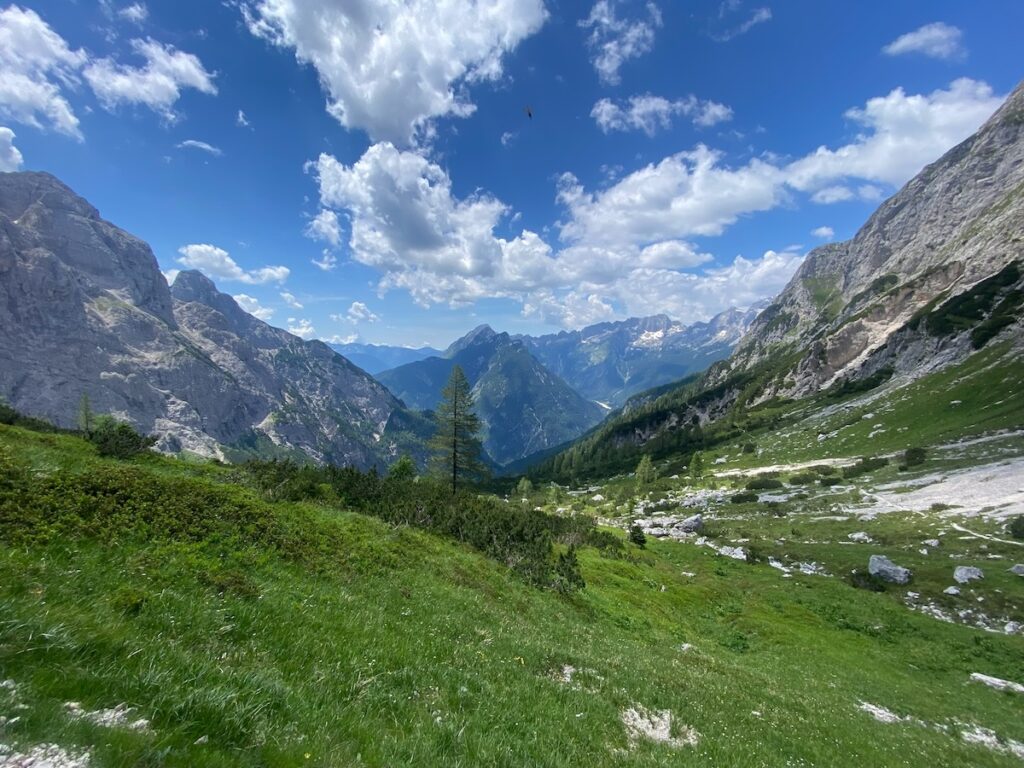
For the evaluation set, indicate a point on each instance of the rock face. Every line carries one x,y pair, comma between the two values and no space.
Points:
84,309
851,304
965,573
887,570
524,407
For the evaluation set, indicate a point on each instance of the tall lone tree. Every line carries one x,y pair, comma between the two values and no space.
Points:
455,446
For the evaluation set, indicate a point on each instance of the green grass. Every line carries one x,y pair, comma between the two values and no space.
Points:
395,647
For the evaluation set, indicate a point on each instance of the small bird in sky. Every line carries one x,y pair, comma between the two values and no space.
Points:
529,111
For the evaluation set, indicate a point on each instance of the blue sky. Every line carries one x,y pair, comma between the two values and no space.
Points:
682,157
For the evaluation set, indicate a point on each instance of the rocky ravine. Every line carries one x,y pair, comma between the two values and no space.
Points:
84,308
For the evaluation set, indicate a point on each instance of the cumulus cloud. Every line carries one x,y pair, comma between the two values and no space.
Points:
202,146
241,120
613,41
10,156
625,248
648,113
900,135
301,328
825,233
937,40
217,263
290,300
253,307
359,313
136,13
156,85
326,227
35,64
390,68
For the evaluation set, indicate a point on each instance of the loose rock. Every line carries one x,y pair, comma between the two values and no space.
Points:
885,569
966,573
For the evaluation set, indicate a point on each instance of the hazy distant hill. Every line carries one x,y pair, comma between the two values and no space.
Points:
374,358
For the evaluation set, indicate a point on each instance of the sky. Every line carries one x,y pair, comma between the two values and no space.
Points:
400,172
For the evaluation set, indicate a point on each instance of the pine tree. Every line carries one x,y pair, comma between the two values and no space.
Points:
697,466
455,446
403,470
645,472
85,417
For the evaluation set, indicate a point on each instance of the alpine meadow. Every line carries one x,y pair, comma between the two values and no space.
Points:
511,383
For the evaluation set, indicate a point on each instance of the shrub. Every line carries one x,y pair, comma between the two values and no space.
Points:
823,469
1017,527
828,482
763,484
912,457
743,497
861,579
864,465
637,536
118,440
749,448
803,478
403,470
567,577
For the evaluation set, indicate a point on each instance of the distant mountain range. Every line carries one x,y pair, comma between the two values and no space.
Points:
523,406
374,358
84,309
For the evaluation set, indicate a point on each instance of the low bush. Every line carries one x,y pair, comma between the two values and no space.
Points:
743,497
828,482
803,478
864,465
637,535
763,484
861,579
118,440
1017,527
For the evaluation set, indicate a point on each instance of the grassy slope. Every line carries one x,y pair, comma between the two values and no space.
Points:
406,649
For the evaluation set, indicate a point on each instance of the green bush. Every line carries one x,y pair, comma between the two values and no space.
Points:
1017,527
913,457
861,579
118,440
763,484
567,576
828,482
864,465
743,497
637,535
749,448
803,478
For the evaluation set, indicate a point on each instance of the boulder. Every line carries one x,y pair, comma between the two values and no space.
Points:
860,536
885,569
692,524
1018,569
932,542
966,573
951,591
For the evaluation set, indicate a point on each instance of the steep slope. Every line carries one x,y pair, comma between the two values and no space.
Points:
609,362
84,309
374,358
850,304
524,407
934,276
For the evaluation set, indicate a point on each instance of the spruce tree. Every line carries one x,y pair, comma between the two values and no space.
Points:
645,472
85,418
455,446
697,466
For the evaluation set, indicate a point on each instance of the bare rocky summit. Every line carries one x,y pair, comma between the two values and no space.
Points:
84,309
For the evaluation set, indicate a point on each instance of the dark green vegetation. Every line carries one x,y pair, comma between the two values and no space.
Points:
255,632
456,447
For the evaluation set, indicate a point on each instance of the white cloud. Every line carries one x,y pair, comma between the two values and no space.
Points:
901,134
825,233
339,339
136,13
170,275
290,300
614,41
389,68
35,64
325,226
241,120
937,40
10,157
648,113
359,313
252,306
757,16
508,137
326,262
200,145
301,328
216,262
157,84
625,248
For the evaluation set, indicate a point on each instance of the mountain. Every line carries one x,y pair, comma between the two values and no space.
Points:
935,275
374,358
524,407
85,309
609,362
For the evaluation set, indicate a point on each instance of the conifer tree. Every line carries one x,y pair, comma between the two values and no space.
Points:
455,446
697,466
85,418
645,472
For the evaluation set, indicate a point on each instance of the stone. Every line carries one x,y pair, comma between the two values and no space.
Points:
885,569
860,536
966,573
951,591
931,543
692,524
1018,569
